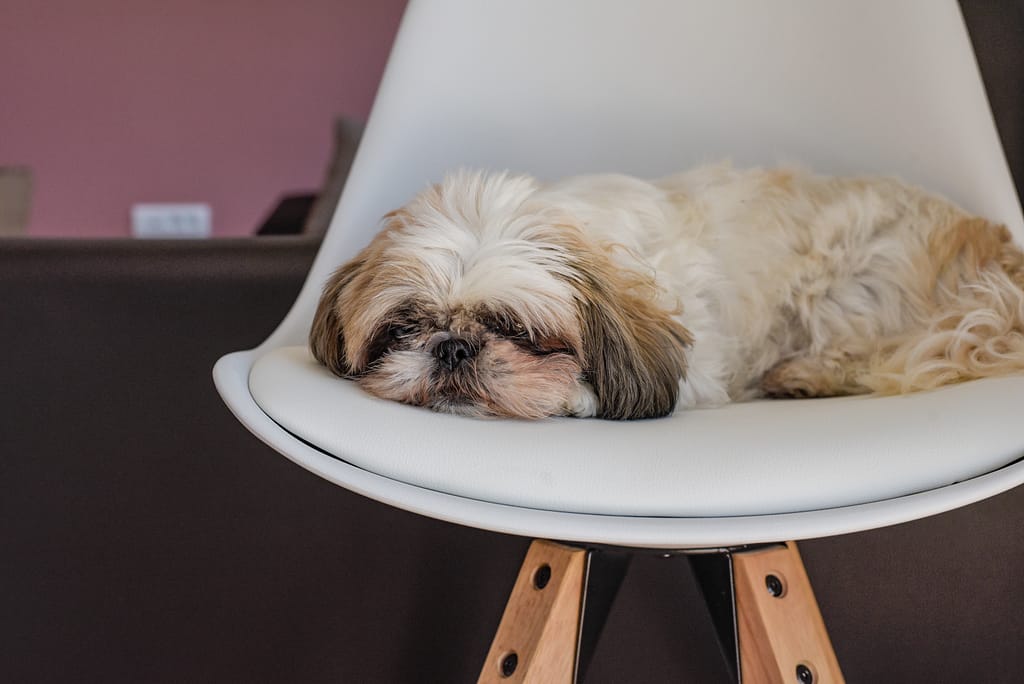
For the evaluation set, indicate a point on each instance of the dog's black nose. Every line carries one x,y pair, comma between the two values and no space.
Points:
454,351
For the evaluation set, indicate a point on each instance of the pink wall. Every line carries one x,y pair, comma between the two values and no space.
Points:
229,102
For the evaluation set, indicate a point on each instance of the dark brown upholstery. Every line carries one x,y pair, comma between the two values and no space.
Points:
145,536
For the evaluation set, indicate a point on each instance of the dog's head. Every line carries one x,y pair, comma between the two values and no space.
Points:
480,299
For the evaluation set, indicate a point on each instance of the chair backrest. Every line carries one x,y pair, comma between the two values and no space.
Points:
650,87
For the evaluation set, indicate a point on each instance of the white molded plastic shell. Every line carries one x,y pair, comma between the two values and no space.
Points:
651,87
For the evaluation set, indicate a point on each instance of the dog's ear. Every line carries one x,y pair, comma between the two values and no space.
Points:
634,351
326,337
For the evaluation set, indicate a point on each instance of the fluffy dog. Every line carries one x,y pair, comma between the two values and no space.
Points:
610,296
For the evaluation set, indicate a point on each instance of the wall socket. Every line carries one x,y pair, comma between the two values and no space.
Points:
171,220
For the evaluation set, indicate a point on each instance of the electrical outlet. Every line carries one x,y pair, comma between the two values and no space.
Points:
171,220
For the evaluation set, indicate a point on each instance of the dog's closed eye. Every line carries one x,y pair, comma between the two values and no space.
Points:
509,327
401,331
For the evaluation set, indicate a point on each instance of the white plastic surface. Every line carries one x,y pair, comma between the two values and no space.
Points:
743,459
231,375
650,87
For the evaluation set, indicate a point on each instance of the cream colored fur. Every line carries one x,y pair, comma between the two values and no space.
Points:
764,282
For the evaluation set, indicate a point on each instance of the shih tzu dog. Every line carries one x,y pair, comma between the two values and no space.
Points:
609,296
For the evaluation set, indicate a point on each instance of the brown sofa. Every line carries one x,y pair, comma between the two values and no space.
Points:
145,536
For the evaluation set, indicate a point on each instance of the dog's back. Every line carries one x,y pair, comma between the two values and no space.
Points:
849,285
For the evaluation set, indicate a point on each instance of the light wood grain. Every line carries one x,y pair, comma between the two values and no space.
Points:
778,634
541,626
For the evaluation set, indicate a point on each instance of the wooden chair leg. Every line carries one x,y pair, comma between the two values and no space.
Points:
782,637
539,631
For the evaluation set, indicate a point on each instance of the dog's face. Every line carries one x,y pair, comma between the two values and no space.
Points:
480,300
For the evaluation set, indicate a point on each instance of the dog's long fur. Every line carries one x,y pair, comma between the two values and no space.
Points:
609,296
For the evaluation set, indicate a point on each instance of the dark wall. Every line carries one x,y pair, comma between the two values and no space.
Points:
145,536
997,32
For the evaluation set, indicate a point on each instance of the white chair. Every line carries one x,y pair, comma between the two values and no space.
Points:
650,87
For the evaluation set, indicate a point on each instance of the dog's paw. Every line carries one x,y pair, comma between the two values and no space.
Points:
797,379
583,404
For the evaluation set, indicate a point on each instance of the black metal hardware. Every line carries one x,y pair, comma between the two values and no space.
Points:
542,576
509,664
602,579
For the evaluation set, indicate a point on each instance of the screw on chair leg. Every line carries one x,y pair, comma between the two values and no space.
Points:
539,631
782,637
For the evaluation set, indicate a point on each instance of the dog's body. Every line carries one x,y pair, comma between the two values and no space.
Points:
622,298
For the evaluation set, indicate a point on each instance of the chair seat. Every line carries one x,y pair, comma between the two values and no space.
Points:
757,458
